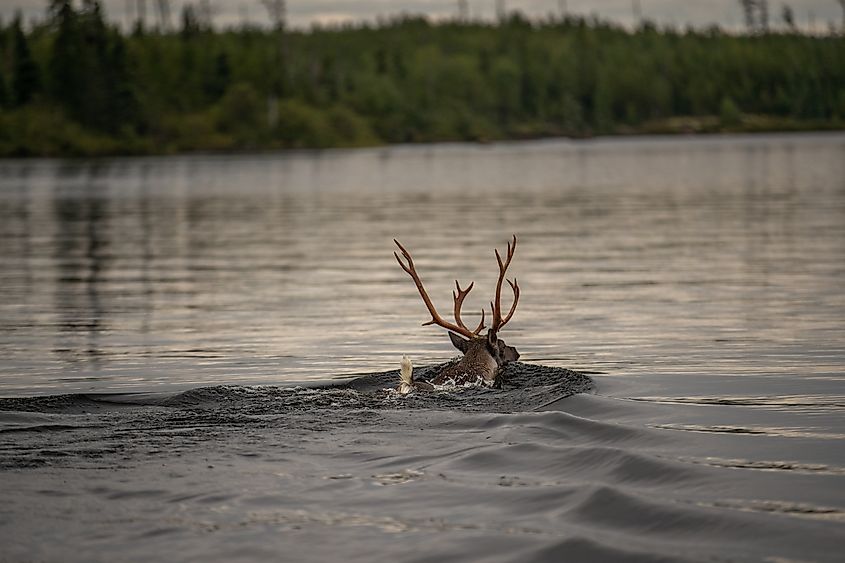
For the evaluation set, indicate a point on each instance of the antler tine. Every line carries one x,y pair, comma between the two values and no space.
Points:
498,322
410,267
459,301
435,316
480,326
515,288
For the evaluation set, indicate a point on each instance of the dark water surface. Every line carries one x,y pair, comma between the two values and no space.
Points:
157,313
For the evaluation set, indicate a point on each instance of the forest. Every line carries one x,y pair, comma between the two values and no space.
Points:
73,84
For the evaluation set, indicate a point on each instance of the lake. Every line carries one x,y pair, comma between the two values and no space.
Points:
718,256
699,281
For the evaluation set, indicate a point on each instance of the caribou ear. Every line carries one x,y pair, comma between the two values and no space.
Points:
492,339
458,342
493,345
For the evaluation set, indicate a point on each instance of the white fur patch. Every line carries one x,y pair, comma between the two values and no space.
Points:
406,375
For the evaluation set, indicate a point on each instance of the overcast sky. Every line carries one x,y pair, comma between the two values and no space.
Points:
302,13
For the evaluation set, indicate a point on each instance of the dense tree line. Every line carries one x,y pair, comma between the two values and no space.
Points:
75,84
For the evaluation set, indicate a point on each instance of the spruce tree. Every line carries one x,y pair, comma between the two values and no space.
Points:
25,76
3,94
66,81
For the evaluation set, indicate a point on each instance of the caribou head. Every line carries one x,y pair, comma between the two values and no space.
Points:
484,354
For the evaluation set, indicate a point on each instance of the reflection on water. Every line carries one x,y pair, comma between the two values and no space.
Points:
701,277
653,258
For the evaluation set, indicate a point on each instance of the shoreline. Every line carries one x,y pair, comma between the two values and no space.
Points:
657,131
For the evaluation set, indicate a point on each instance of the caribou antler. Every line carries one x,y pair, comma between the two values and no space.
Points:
459,328
459,300
498,322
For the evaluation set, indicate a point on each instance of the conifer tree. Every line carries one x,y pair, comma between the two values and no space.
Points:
26,81
65,78
3,94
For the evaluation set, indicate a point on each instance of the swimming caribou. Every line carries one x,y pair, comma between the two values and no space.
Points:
484,355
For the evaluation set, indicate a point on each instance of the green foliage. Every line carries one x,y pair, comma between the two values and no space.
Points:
729,113
405,80
195,131
349,128
241,114
4,95
38,130
300,125
26,81
89,69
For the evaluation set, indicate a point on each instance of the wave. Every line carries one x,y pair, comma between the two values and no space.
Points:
511,474
763,465
827,402
771,431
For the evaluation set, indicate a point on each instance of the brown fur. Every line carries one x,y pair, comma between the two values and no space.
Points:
483,359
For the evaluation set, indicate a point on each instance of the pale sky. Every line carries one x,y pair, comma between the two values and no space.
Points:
303,13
